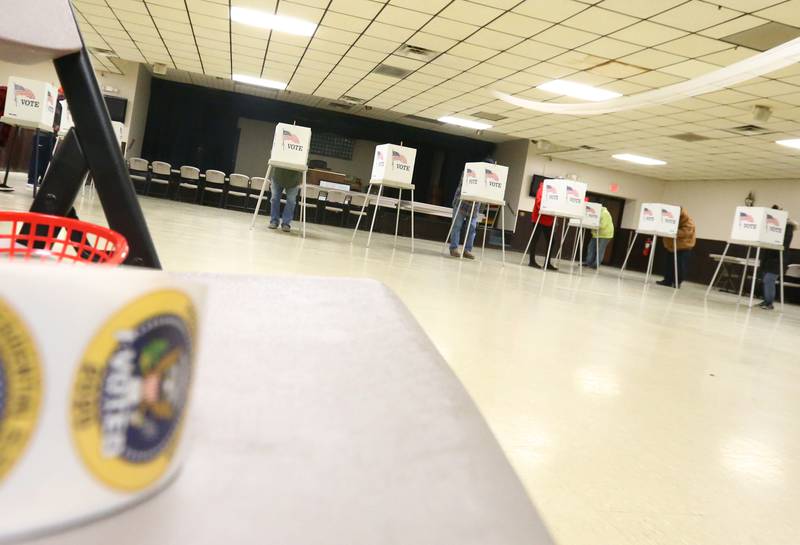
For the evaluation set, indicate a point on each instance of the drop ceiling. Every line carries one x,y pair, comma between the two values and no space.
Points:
627,46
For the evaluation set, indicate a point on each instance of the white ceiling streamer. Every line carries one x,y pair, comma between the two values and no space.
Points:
769,61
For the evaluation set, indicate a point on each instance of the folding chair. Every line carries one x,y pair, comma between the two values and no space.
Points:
256,183
139,170
215,183
238,186
160,176
189,180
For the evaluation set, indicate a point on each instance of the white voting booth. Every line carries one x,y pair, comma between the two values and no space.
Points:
755,227
564,199
392,166
656,220
30,104
482,183
289,151
591,221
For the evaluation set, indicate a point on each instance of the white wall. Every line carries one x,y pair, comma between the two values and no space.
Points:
255,143
712,203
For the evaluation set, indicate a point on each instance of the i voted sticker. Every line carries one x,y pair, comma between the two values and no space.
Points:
20,388
131,390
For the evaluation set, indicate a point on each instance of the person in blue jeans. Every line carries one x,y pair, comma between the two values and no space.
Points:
600,237
462,216
288,181
770,264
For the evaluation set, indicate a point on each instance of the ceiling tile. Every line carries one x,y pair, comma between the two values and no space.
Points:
600,21
358,8
536,50
695,15
694,46
689,69
402,17
641,8
519,25
648,34
566,37
609,48
426,6
493,39
652,59
467,12
550,10
448,28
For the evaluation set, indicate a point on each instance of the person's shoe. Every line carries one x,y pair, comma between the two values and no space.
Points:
665,283
454,252
468,255
534,265
286,227
766,307
551,267
272,225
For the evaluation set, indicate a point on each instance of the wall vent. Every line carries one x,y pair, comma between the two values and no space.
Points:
391,71
416,52
420,119
689,137
749,130
489,116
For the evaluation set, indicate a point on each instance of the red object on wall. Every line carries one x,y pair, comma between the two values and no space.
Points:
648,243
614,188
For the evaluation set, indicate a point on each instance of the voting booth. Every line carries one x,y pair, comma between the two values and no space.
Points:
563,199
591,220
290,147
392,166
760,228
30,104
656,220
482,183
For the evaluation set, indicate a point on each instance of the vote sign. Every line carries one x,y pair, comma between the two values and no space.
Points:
758,225
659,219
484,182
30,103
290,146
563,198
393,164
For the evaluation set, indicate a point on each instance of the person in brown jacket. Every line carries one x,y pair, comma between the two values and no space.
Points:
686,240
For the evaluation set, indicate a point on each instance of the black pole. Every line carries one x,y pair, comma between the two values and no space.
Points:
63,180
99,144
36,134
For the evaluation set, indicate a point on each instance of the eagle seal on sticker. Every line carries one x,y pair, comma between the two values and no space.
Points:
131,390
20,388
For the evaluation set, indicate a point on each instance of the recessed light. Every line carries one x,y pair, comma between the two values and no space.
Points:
577,90
638,159
468,123
272,21
260,82
790,143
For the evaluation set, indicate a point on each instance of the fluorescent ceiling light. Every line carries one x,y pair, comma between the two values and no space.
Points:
271,21
638,159
260,82
468,123
791,143
577,90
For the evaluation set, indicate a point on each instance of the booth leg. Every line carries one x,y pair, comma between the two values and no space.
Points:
35,161
397,216
597,253
485,223
780,258
755,274
375,213
412,221
719,266
675,258
503,234
550,246
744,274
304,211
628,254
564,232
469,226
363,206
530,239
452,223
261,196
580,249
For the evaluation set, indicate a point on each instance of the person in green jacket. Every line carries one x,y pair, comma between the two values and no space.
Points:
289,181
597,248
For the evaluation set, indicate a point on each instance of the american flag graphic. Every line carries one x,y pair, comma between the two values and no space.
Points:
471,173
647,213
22,91
289,137
772,220
490,175
398,157
50,100
551,189
572,193
744,216
667,214
591,211
380,156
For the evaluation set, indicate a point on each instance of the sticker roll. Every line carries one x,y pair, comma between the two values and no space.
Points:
96,367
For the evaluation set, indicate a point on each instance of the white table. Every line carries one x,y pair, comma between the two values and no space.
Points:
316,426
489,203
381,184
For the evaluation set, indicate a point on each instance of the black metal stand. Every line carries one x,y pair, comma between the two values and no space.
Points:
10,147
93,148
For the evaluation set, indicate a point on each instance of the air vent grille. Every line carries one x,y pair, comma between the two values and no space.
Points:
423,119
416,52
749,130
391,71
689,137
489,116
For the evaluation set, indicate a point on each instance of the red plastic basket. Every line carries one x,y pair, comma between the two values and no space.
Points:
31,236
